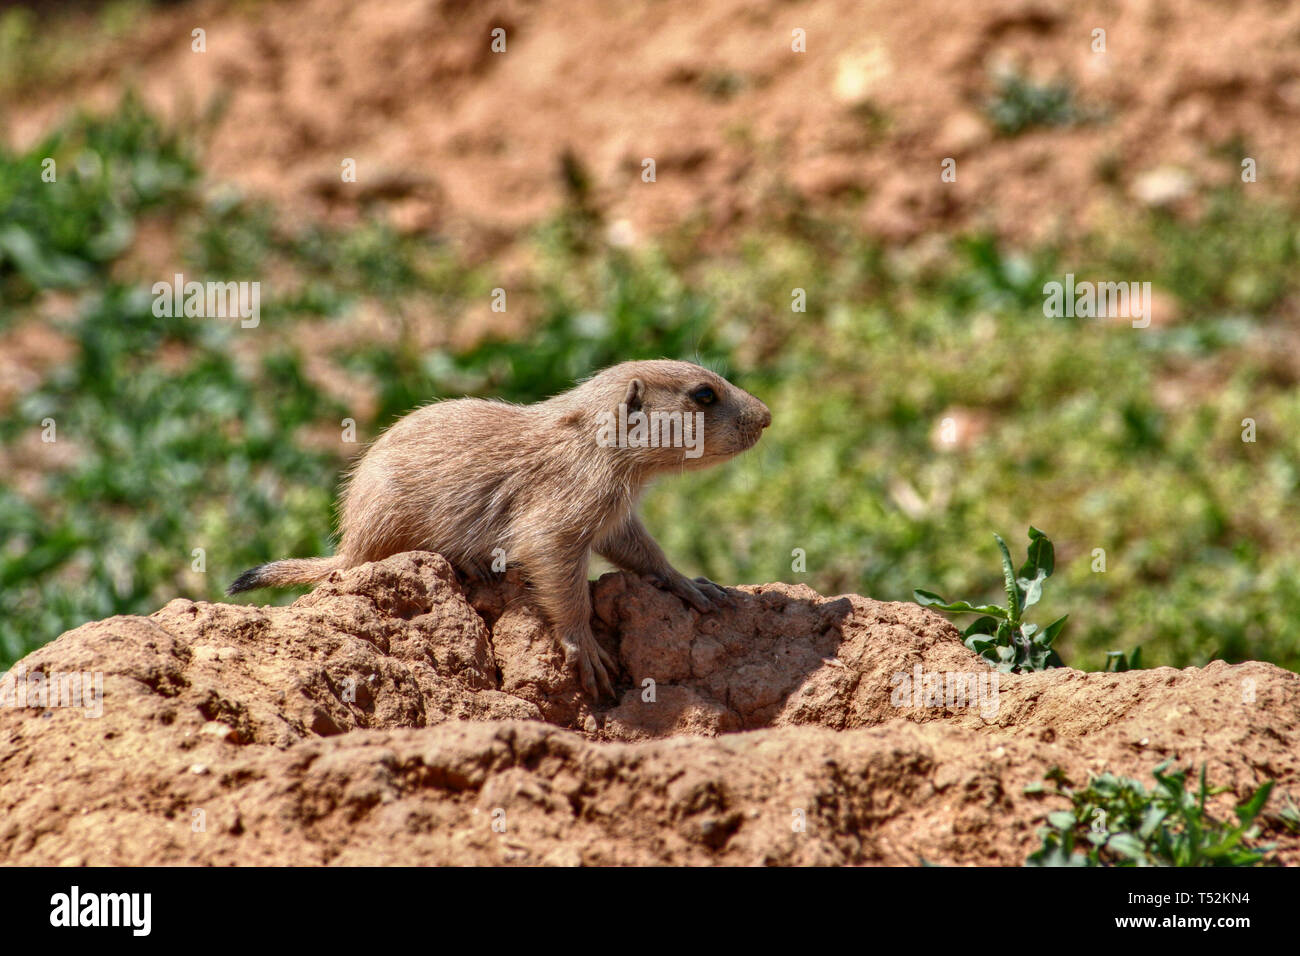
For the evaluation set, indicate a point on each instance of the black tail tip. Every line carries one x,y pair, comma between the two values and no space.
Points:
247,581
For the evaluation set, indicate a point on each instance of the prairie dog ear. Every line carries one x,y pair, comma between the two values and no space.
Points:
635,395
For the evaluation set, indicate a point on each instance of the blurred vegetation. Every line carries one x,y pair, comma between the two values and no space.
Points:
185,433
1019,103
68,208
39,49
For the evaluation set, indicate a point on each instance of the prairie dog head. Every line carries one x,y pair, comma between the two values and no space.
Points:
666,415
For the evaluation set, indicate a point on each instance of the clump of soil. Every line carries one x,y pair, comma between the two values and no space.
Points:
394,715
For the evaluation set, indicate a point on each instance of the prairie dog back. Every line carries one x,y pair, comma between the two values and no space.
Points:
542,484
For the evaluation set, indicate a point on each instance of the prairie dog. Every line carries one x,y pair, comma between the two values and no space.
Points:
546,484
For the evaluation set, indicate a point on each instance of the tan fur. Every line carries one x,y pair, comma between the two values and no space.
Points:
468,476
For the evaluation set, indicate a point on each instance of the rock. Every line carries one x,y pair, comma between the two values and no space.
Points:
860,73
1162,186
216,730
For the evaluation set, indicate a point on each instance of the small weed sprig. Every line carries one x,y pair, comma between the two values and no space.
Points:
1001,636
1117,662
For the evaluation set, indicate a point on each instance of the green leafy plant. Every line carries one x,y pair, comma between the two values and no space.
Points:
1117,661
1289,816
1116,821
1019,103
66,232
1001,636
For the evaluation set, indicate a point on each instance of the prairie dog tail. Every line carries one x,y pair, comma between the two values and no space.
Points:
280,574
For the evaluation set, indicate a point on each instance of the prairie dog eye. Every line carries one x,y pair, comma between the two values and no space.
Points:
704,395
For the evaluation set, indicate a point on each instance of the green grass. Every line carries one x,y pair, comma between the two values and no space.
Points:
1106,437
1116,821
106,174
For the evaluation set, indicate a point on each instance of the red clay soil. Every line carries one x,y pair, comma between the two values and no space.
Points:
451,137
390,717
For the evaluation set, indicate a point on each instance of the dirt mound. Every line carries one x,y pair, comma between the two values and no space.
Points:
452,137
393,716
